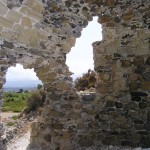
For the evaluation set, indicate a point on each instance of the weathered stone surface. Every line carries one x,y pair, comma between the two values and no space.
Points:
26,22
14,16
5,22
146,76
145,85
40,33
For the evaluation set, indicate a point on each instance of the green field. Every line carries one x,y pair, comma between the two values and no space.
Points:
15,102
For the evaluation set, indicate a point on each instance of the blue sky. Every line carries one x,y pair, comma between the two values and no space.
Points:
79,60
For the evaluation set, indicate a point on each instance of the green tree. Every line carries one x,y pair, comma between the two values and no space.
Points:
39,86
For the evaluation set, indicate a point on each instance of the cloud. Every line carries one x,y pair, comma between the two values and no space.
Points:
19,73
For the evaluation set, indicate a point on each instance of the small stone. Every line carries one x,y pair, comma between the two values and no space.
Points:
8,45
148,61
126,63
126,143
47,137
105,77
133,86
146,76
126,125
138,61
136,99
138,126
138,121
114,125
57,126
142,105
104,19
86,141
118,105
147,126
127,16
110,2
110,104
133,77
132,105
148,116
145,85
139,94
104,126
26,22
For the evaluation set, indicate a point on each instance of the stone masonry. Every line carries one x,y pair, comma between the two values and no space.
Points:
39,33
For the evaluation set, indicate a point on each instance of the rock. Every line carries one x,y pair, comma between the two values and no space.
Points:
133,86
146,76
126,143
139,94
147,126
86,141
142,105
148,61
47,137
132,105
127,16
126,63
88,97
8,45
114,125
118,105
126,125
136,99
145,85
110,103
133,77
138,61
148,116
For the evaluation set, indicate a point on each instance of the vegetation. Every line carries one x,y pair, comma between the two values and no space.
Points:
85,82
39,86
26,101
36,100
10,124
15,102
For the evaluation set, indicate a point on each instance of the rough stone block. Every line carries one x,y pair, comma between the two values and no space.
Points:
7,34
34,14
145,85
6,23
23,10
3,8
26,22
14,16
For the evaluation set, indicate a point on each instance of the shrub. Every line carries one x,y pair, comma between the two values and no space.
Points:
87,81
35,100
15,102
10,124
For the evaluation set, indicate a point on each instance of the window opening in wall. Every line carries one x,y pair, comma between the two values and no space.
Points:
23,95
80,58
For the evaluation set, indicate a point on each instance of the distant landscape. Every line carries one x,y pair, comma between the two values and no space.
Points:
21,84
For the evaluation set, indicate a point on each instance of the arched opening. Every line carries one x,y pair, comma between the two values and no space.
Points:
23,95
80,58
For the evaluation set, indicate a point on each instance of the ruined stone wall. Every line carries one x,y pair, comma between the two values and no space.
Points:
39,34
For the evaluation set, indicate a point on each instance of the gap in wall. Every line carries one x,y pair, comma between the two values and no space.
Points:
80,58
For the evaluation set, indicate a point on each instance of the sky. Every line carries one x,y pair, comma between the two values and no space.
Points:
79,59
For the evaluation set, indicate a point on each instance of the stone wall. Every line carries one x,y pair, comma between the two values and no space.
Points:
39,34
